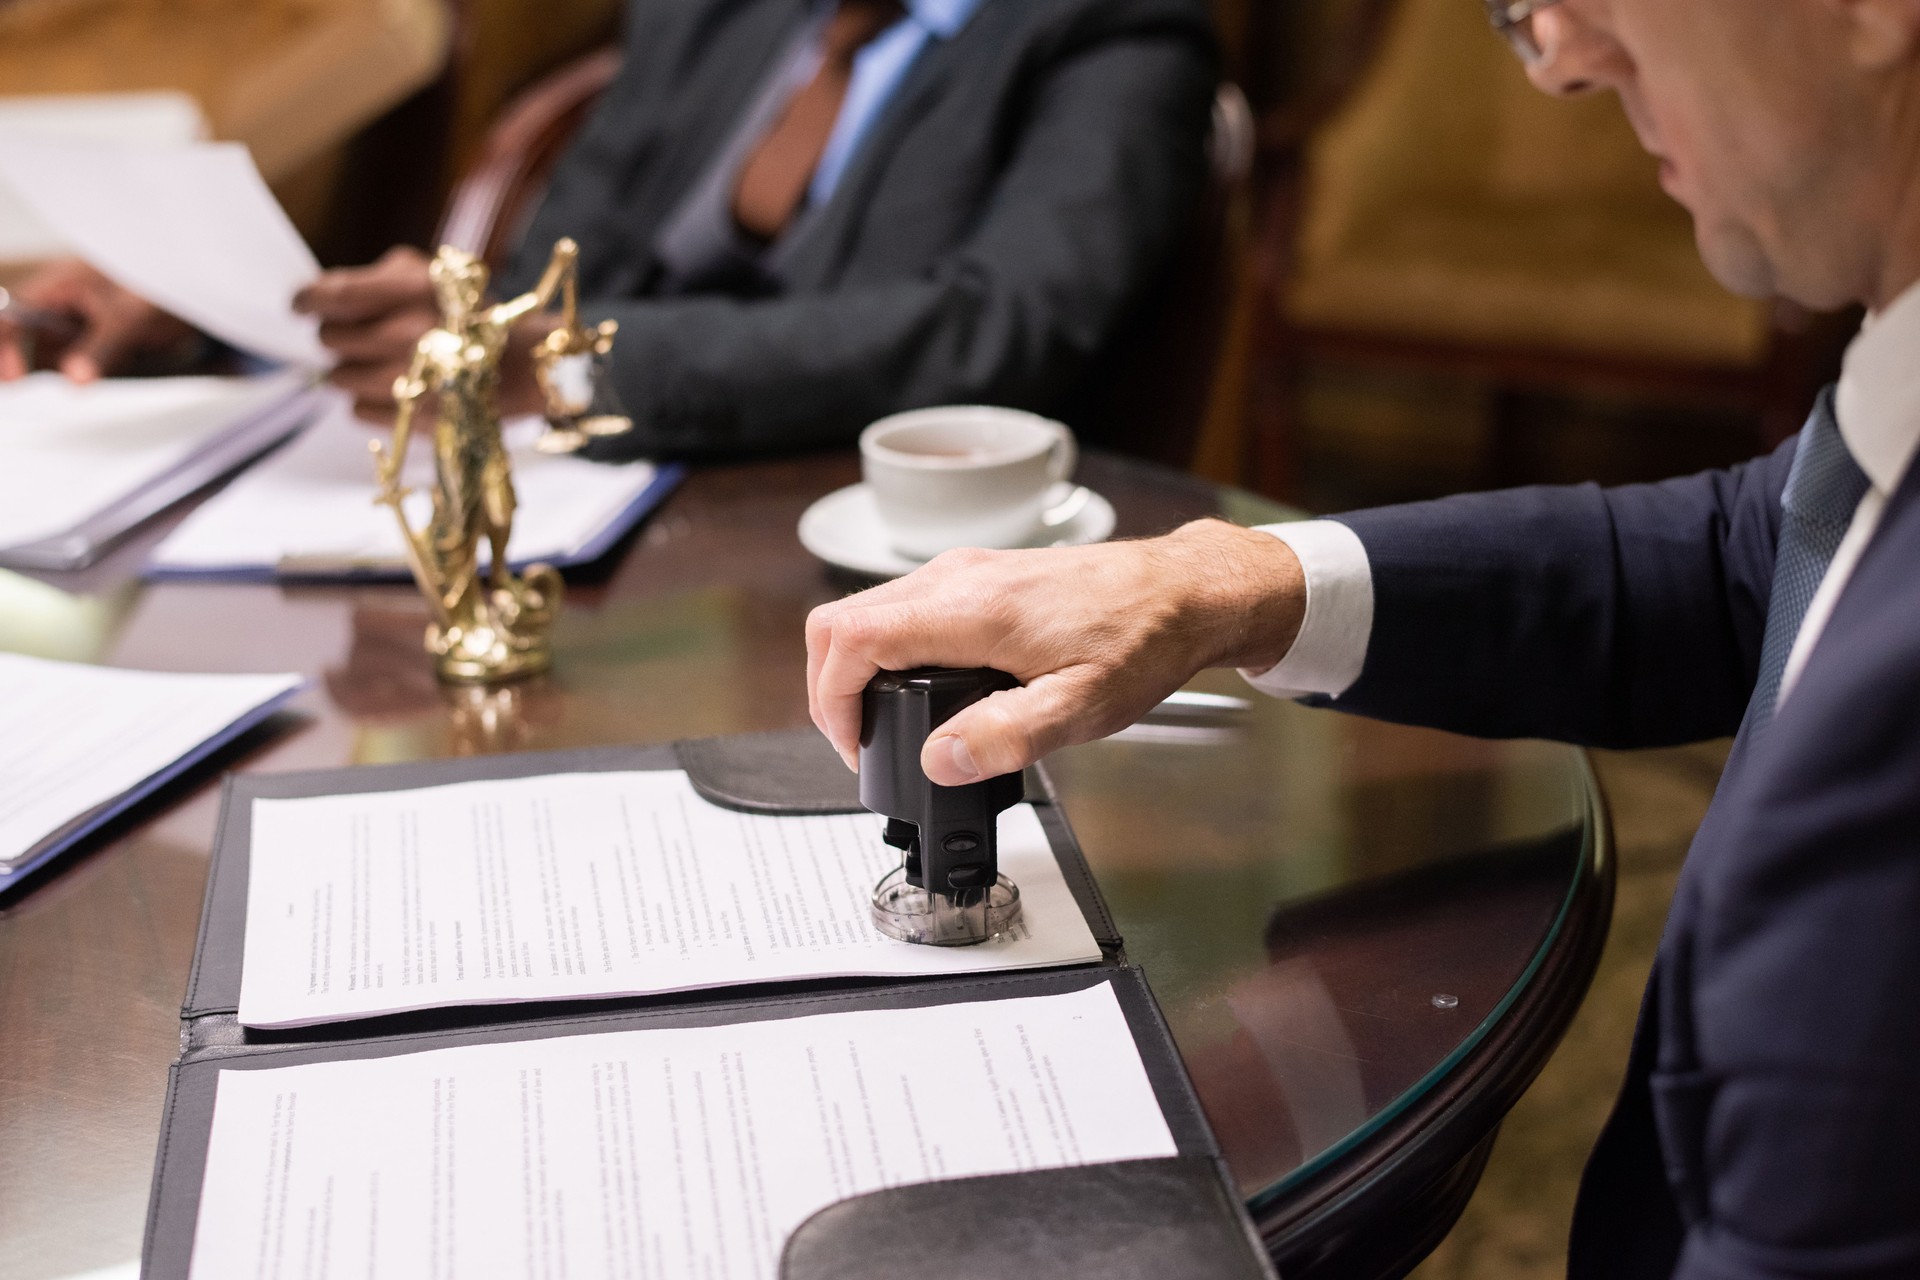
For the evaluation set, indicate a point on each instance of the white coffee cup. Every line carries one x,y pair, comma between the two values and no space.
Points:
964,475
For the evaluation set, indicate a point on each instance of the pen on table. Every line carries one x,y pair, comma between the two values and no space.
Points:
48,324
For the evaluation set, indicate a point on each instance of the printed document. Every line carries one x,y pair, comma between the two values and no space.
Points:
309,508
68,453
191,228
74,737
654,1154
588,885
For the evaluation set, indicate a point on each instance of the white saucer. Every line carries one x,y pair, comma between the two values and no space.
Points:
844,529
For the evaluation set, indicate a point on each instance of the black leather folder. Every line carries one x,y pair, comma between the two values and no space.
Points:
1147,1218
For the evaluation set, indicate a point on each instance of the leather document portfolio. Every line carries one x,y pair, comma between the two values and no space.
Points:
1003,1122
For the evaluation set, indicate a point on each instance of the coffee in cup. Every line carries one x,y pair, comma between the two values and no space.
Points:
964,475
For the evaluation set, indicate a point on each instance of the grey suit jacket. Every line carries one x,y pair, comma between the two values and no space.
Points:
1024,184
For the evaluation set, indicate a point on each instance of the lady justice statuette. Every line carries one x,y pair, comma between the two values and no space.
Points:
489,624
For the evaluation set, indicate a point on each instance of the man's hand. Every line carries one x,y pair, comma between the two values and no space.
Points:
1097,635
112,325
372,317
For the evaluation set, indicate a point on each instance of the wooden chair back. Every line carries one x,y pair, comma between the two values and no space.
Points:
494,199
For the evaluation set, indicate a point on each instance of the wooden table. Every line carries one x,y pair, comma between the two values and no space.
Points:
1366,937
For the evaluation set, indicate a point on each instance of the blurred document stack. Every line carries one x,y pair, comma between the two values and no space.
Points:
191,227
81,466
80,745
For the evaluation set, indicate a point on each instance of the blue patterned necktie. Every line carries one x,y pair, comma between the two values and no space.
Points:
1824,486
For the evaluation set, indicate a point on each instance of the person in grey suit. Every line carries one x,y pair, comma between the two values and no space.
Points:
806,214
1769,1123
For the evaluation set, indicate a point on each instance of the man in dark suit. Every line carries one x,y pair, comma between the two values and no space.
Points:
806,214
1769,1125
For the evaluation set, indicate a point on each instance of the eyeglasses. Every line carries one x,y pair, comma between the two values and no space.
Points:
1514,20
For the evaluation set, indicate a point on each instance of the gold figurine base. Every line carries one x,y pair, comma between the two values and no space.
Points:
505,635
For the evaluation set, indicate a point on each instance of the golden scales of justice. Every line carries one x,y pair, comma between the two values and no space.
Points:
489,623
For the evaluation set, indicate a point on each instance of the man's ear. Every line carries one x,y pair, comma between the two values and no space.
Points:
1881,34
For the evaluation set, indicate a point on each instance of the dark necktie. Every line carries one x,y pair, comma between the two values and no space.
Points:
1824,486
774,179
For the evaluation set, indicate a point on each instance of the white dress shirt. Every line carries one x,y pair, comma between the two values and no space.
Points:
1877,406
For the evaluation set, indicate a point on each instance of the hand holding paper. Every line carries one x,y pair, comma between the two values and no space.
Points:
372,317
191,229
69,316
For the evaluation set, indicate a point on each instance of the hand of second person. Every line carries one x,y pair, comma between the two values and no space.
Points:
370,318
113,327
1097,636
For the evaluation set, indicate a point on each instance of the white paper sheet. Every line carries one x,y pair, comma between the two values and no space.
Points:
69,452
654,1154
164,118
191,228
587,885
310,506
73,737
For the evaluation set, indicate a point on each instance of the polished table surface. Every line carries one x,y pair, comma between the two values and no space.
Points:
1343,920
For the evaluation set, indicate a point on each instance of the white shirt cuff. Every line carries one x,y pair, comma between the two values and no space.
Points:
1332,645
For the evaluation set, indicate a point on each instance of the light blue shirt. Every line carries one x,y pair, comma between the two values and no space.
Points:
699,245
878,70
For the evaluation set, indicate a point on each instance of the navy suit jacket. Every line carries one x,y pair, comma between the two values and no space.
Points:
1021,189
1769,1125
